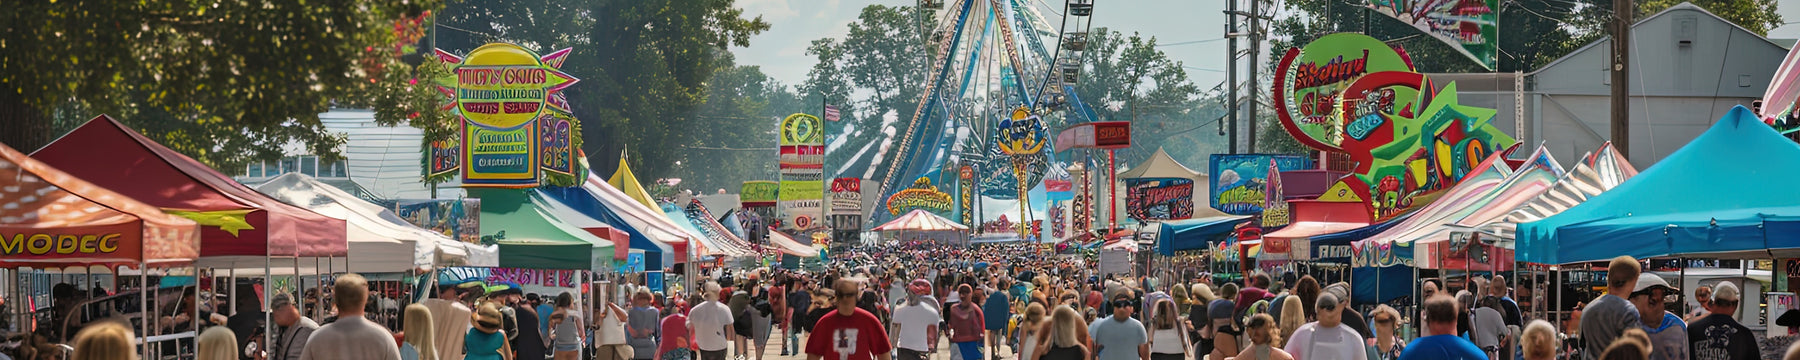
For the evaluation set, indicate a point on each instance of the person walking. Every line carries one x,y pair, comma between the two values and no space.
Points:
848,333
1028,333
1261,331
711,323
1387,344
565,329
1168,334
915,328
216,343
1702,296
486,340
292,330
352,336
1224,324
1441,342
449,321
418,328
643,326
966,324
1326,339
1119,336
529,343
1539,341
761,313
1063,336
610,338
677,342
1605,318
1487,328
1719,336
1668,334
996,310
799,305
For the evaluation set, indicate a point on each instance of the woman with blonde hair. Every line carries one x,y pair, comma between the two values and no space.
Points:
1029,330
1261,331
419,334
1293,315
1539,340
217,343
110,341
1065,337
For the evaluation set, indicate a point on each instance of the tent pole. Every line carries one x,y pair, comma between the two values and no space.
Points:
268,290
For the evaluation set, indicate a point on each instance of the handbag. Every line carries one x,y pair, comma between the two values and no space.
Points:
626,352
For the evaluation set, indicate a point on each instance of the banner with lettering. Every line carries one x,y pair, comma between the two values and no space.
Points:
459,219
1469,26
1240,182
1159,198
802,164
539,281
846,196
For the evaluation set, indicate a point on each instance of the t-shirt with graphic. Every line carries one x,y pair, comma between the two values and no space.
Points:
858,336
1719,337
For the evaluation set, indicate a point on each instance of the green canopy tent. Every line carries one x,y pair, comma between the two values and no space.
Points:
532,236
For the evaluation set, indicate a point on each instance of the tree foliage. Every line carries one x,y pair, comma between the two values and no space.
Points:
224,82
1125,78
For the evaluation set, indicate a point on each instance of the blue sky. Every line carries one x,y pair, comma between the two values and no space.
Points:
781,51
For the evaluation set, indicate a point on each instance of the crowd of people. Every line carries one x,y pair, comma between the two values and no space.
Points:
987,302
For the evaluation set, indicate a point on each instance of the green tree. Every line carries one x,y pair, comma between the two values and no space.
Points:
1758,16
224,82
742,111
643,65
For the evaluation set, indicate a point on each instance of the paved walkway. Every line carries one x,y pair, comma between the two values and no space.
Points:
773,351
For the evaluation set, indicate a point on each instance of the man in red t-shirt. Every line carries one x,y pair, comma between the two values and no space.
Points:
848,333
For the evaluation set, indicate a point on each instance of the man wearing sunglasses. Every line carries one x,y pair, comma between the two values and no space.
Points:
1668,334
1120,337
1327,339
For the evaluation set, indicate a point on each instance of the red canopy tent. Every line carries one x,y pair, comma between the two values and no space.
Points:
239,225
56,220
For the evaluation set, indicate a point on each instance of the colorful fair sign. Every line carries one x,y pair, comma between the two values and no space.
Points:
1240,182
515,121
1308,82
1407,136
922,195
1470,27
758,193
1159,198
802,166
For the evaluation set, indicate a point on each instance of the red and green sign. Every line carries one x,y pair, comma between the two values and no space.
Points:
1308,82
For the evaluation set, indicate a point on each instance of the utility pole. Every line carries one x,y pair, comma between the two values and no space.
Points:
1231,75
1621,91
1255,50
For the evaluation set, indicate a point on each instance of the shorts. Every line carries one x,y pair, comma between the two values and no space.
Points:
567,347
909,354
712,355
971,350
1161,356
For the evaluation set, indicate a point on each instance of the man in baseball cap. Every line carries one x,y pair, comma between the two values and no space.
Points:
1719,336
1668,334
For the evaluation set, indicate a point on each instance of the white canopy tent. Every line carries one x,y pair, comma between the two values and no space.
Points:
380,241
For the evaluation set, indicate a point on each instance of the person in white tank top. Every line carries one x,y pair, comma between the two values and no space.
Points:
1168,334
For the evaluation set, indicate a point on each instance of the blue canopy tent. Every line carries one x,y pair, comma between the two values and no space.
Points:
656,254
1710,198
1192,234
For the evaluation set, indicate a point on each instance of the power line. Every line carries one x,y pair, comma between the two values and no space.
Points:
1191,42
730,149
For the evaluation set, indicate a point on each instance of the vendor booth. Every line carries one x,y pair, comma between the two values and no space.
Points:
382,241
57,221
1748,166
531,236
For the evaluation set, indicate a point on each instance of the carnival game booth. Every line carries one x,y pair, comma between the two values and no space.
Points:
57,222
923,224
1656,213
1190,236
241,231
382,241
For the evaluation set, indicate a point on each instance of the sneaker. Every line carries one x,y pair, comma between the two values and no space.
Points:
784,353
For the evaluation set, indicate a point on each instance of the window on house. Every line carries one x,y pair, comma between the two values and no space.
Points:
309,165
255,169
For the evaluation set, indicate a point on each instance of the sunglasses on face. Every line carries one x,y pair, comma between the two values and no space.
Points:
1124,303
1327,308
